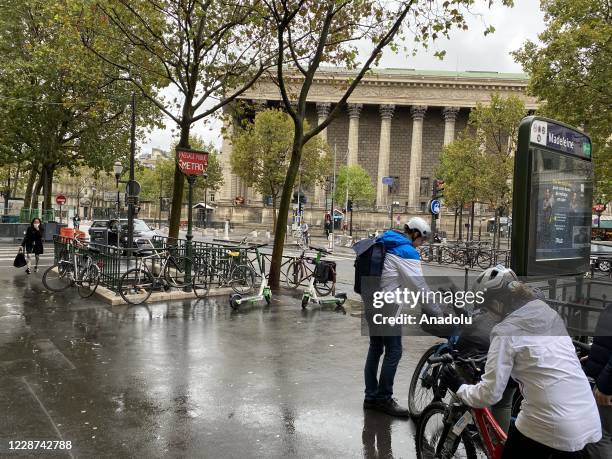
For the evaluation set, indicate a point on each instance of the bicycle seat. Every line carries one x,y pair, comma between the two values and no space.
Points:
94,250
232,253
340,296
319,249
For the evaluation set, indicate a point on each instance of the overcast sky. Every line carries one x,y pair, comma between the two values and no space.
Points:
467,50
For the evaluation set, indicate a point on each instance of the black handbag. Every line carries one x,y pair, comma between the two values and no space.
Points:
20,259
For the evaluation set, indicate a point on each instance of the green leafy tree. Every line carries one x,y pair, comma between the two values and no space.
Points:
208,52
359,185
478,166
61,106
262,151
570,73
314,32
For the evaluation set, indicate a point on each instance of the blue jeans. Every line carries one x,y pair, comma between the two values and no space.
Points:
375,388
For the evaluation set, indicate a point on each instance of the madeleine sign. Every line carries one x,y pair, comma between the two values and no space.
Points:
192,162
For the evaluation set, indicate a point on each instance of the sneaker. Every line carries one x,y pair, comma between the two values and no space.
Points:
28,271
392,408
369,404
35,269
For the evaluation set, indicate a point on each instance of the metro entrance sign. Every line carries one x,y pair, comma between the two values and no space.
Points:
192,162
553,192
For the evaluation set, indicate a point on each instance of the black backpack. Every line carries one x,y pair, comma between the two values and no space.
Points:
369,261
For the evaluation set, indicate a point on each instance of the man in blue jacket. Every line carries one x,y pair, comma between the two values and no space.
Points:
402,269
599,366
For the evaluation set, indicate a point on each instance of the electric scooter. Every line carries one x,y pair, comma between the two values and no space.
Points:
310,295
264,292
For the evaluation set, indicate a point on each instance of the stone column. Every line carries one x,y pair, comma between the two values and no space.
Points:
450,115
416,151
384,151
323,109
353,138
229,189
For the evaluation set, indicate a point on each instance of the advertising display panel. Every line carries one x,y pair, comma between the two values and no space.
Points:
553,190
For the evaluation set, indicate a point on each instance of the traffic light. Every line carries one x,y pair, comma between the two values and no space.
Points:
438,188
349,205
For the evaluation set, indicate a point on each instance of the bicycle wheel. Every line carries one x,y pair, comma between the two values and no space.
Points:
324,288
430,433
295,274
201,279
420,393
136,286
447,256
176,273
89,278
483,260
59,276
242,279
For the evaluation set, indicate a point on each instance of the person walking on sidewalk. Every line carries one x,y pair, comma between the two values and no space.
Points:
33,243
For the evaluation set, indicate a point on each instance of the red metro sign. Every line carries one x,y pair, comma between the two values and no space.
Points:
192,162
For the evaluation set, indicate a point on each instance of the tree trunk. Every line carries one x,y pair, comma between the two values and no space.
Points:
472,222
281,222
274,217
27,199
178,187
461,222
48,187
37,188
455,224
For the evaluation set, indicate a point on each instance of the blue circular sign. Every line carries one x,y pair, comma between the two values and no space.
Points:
434,207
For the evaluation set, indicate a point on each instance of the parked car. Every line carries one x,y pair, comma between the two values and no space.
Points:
110,231
601,256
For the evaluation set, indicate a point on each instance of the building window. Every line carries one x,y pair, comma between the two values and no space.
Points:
211,197
423,206
424,188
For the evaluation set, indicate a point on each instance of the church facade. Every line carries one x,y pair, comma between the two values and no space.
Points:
394,125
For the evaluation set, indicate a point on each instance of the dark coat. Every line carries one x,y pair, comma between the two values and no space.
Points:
33,240
599,363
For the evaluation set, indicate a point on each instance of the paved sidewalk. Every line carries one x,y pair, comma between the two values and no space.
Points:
189,379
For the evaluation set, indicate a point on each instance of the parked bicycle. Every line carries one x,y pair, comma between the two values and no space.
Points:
228,271
299,273
457,430
156,270
74,270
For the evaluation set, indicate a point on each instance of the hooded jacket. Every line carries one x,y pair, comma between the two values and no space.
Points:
532,345
402,268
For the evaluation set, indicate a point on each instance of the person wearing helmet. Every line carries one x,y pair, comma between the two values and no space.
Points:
558,416
401,269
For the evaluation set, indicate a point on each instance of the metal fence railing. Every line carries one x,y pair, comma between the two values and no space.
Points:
219,258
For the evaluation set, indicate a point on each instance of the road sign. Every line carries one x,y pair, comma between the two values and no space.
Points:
133,188
553,190
192,162
387,181
434,207
599,208
60,199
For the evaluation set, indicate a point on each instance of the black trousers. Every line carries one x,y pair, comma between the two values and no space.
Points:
518,446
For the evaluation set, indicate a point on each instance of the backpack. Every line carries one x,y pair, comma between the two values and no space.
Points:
369,261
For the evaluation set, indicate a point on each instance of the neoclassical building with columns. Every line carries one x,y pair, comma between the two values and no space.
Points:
395,124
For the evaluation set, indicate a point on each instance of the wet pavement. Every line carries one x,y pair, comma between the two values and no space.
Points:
188,379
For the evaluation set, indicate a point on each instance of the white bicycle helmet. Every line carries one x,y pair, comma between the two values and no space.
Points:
420,225
496,278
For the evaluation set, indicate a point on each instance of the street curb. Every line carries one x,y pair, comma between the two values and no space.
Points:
114,299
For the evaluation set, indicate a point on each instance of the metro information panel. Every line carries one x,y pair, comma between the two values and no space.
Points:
553,189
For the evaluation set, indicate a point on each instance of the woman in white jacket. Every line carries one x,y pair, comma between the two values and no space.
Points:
558,415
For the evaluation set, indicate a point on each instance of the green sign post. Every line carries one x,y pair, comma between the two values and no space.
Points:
553,192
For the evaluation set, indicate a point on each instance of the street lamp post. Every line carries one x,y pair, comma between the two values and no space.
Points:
91,206
118,169
205,177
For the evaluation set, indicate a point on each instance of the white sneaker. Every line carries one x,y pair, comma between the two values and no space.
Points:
35,269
